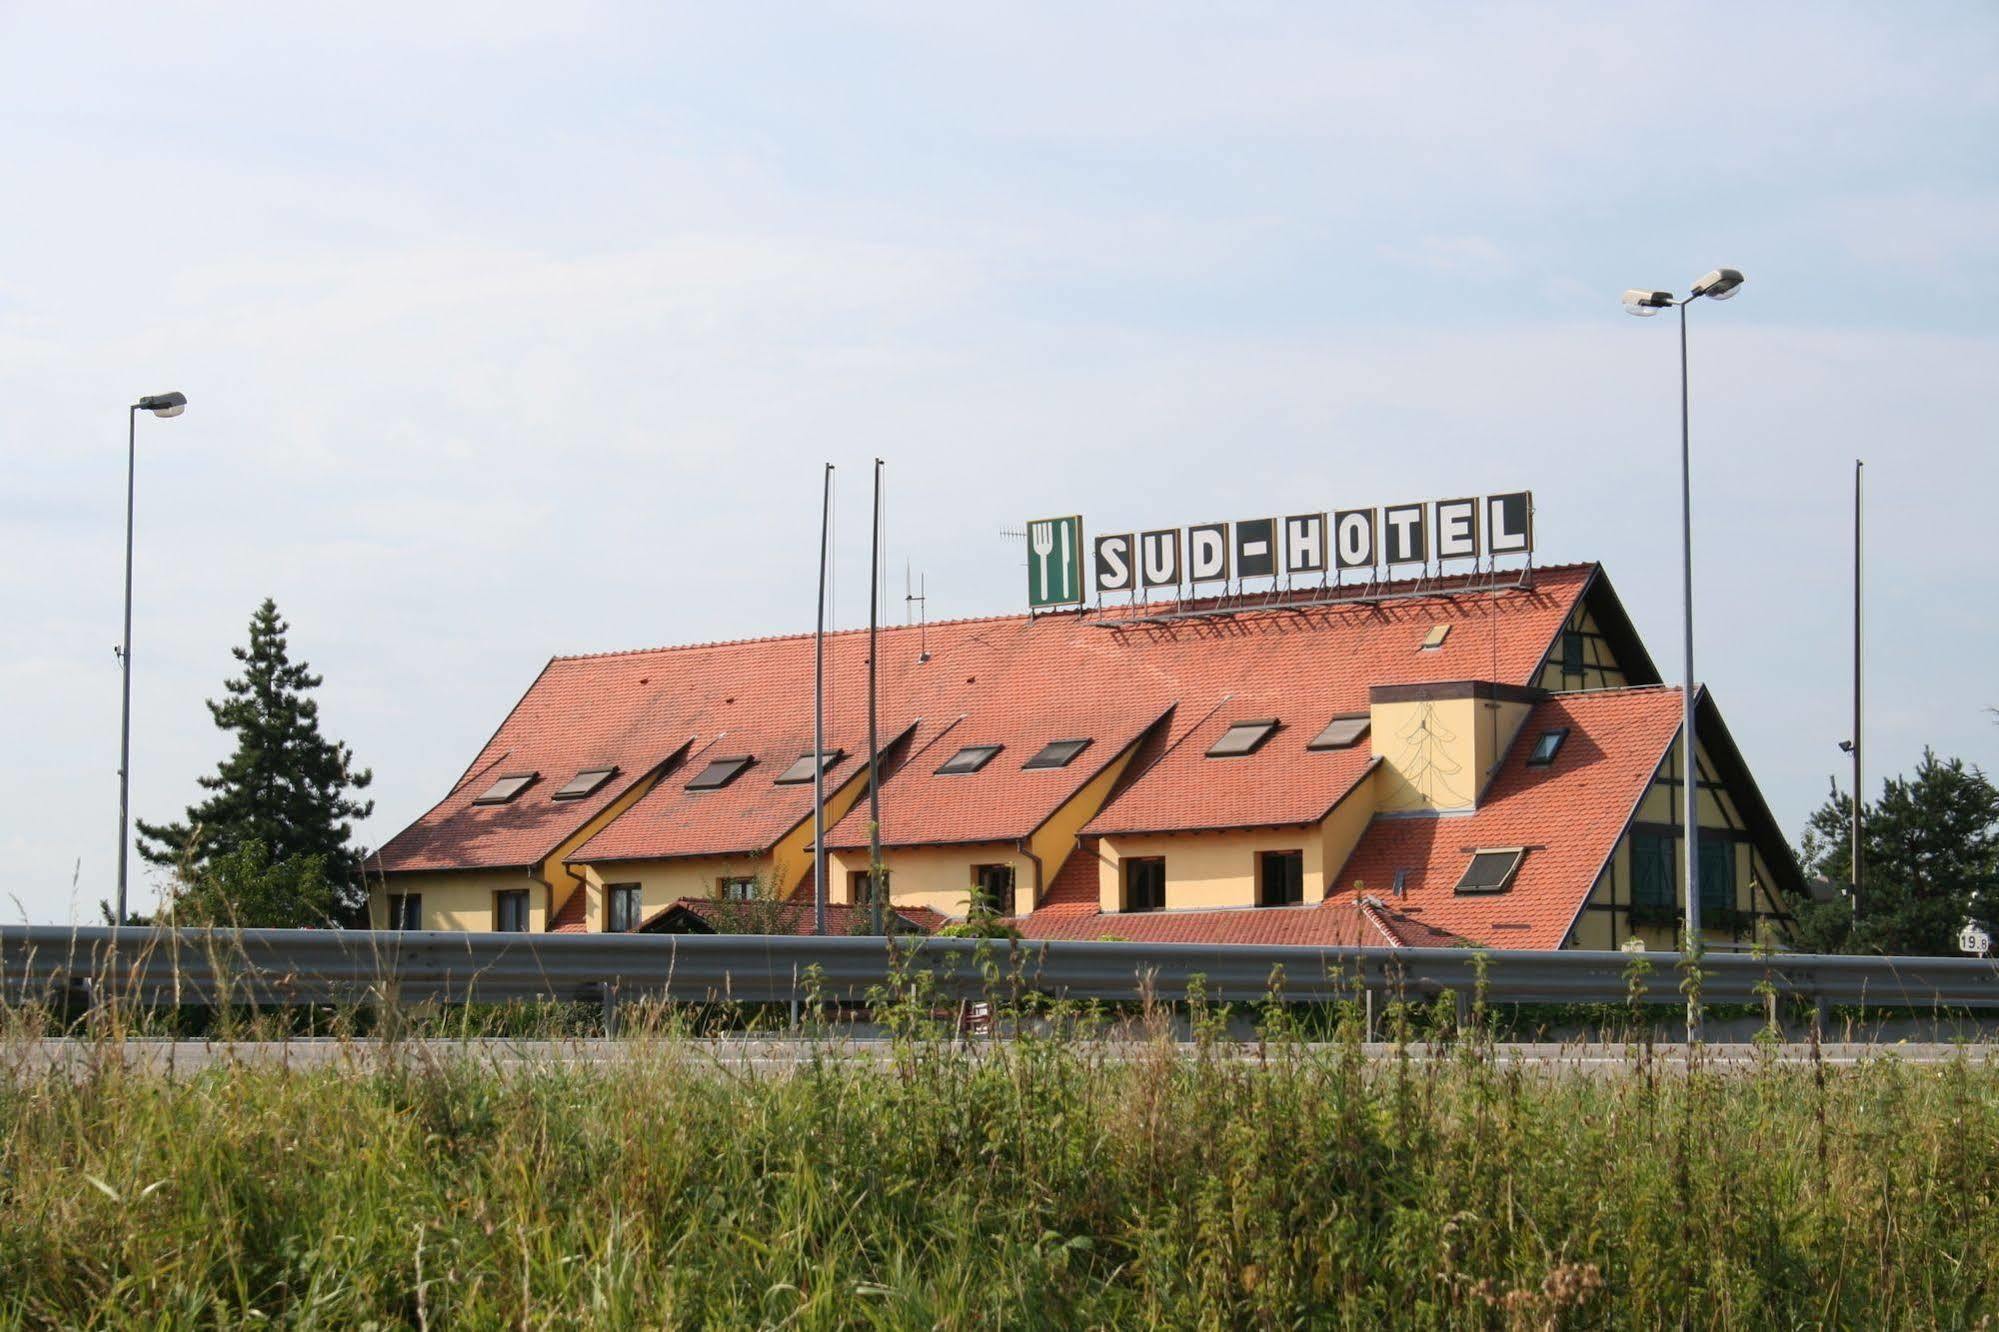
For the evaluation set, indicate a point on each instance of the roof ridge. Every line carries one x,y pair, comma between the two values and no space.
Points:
1443,585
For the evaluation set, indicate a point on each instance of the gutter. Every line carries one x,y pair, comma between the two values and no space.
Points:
1040,870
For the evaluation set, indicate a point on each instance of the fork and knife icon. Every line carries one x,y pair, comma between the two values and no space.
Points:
1042,537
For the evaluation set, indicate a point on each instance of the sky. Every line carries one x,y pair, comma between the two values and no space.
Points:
511,330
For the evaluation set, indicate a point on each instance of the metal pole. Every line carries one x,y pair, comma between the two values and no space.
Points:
874,739
1857,465
819,719
1690,766
125,664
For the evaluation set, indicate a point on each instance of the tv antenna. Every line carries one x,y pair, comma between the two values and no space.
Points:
918,598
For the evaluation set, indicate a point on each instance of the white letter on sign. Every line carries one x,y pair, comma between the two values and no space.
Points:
1207,552
1457,529
1353,538
1114,563
1509,523
1305,543
1407,541
1159,558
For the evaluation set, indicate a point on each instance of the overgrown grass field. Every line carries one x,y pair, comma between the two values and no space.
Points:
1037,1183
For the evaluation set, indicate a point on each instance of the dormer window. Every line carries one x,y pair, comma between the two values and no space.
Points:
506,788
804,769
1341,733
969,759
1546,746
720,772
584,783
1492,871
1244,737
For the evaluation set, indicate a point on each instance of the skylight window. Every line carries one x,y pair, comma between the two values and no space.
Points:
1057,754
969,759
505,789
1243,737
1546,746
584,783
1492,871
1435,638
720,772
1341,733
802,770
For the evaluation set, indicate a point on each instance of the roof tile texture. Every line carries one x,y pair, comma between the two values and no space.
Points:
1018,679
1569,814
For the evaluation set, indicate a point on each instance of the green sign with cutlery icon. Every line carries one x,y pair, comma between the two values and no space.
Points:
1055,562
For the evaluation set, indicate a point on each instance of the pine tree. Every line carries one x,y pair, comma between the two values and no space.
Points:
286,789
1931,862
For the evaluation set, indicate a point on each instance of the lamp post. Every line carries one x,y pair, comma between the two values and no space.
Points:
159,404
1719,285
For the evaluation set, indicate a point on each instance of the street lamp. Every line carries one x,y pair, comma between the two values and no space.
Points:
1719,285
159,404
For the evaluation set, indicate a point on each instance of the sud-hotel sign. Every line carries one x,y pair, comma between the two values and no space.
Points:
1304,544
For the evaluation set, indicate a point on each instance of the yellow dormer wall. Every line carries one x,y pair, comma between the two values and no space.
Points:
1439,744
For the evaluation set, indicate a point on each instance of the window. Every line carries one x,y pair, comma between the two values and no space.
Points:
1341,733
1145,883
1546,746
1280,878
1572,652
719,773
621,907
1435,638
583,783
1057,754
1491,871
1242,738
510,911
405,911
1652,856
992,890
857,887
1717,876
969,759
802,770
739,889
509,786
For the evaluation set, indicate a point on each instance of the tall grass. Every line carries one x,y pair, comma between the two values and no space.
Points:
1044,1182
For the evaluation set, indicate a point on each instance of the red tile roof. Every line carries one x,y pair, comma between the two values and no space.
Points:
747,816
1023,679
1569,814
1002,801
788,917
1342,924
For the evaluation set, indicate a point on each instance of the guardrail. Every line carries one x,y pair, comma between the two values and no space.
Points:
65,966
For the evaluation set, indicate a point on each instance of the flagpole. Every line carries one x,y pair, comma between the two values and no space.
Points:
874,737
819,719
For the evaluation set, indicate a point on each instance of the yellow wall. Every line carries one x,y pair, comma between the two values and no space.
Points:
938,877
698,877
1341,831
1429,752
562,880
665,881
458,900
1055,840
1754,885
1210,869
